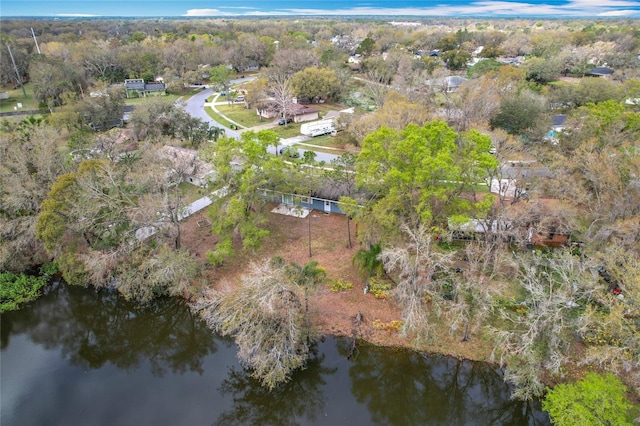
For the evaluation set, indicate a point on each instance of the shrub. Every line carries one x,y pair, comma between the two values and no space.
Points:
339,285
379,288
394,325
18,289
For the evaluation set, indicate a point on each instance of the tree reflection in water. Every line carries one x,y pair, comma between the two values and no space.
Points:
95,328
298,401
371,385
410,387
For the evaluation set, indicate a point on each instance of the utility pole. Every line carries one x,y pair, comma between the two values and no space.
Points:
36,40
24,92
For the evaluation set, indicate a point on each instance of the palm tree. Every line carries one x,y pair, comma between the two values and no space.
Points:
216,132
307,276
368,262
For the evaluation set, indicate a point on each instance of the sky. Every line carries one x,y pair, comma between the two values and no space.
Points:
260,8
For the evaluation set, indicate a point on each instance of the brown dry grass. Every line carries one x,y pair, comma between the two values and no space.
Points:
332,313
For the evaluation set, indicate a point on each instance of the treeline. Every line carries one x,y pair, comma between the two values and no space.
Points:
111,50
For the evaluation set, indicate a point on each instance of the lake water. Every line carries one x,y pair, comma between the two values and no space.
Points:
79,357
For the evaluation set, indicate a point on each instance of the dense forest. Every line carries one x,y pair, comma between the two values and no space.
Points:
492,168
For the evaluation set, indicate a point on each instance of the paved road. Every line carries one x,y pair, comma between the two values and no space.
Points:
195,107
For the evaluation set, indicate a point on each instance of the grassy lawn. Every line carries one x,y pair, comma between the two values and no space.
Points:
15,97
191,192
216,117
241,115
187,92
30,103
324,140
288,131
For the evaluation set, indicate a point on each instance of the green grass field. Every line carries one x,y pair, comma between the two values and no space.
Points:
241,115
16,96
191,192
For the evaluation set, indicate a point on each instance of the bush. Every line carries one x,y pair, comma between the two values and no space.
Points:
339,285
379,288
394,325
18,289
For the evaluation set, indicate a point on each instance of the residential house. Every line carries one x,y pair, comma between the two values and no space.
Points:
137,88
249,67
535,223
324,199
557,126
600,72
298,110
185,166
447,84
301,113
514,60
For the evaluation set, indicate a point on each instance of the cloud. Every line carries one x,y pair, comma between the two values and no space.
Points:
619,13
576,8
76,15
208,12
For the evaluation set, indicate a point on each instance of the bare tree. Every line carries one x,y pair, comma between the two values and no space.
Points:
415,264
467,291
266,317
542,324
282,95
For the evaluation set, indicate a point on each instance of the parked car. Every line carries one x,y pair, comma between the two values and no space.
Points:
290,151
239,99
284,121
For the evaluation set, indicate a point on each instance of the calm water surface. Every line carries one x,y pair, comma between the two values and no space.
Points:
77,357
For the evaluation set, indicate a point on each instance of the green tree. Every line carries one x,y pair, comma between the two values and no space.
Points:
220,77
456,59
597,399
93,219
237,210
312,82
158,118
542,70
366,47
51,78
195,130
483,67
411,174
595,90
518,113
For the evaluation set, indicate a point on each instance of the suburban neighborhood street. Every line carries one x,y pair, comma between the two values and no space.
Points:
195,107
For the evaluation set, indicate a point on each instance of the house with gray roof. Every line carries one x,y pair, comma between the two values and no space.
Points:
137,88
600,72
